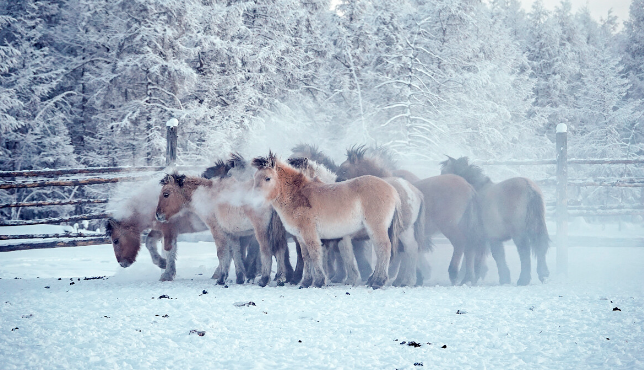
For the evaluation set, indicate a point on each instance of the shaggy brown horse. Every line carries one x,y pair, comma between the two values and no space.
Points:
361,248
137,215
412,215
221,204
451,208
312,210
125,234
512,209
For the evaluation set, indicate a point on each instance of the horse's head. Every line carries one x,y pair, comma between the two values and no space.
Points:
172,198
455,166
126,241
266,179
357,164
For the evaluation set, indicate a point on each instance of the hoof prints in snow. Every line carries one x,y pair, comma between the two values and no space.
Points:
244,304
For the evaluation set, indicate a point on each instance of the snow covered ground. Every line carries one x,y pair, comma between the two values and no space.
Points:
52,318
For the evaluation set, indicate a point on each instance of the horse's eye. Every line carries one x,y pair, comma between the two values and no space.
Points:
165,195
267,179
116,241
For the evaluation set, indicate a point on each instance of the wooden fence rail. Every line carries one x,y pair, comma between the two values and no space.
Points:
562,210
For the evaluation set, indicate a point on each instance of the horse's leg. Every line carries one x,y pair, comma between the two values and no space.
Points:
458,242
265,250
340,269
329,259
299,265
542,266
224,257
170,248
311,242
284,269
382,245
469,266
346,251
394,264
498,253
480,265
524,255
240,269
151,244
307,276
424,268
362,251
407,273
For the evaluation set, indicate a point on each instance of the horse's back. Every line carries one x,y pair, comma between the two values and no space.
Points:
447,198
407,175
505,206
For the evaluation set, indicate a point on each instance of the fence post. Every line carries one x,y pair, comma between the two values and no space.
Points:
562,199
171,139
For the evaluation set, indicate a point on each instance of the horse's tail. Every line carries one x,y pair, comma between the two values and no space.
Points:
472,225
395,229
424,241
536,232
276,233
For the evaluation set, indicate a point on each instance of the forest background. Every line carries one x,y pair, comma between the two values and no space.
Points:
93,83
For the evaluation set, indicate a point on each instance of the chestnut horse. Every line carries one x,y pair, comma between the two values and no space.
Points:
451,208
312,210
220,203
412,215
361,248
512,209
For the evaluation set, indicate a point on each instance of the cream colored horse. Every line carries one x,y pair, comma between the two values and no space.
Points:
312,210
220,203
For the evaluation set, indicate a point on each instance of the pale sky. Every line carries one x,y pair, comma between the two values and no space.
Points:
598,8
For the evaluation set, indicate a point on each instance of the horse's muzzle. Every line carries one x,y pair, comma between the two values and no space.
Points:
125,263
160,217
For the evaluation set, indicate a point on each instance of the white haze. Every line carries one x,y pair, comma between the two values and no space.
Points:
141,197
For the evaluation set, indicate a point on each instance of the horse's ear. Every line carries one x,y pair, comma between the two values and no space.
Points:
299,163
236,161
166,179
272,159
110,225
179,179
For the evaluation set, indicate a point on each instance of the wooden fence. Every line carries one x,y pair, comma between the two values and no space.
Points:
562,210
562,182
9,180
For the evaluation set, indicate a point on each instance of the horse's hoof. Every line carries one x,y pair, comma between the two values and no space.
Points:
319,283
166,277
543,279
377,282
240,279
280,283
263,281
306,282
221,280
523,281
337,280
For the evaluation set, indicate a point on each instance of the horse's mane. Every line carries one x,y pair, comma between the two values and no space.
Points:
384,156
371,158
179,179
312,152
108,226
236,161
219,170
471,173
318,171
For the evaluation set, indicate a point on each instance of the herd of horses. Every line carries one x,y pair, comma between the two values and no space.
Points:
339,217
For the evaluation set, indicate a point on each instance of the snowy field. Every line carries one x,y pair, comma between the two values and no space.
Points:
51,317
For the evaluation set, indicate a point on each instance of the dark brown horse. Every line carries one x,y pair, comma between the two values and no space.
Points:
512,209
312,211
450,208
221,204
